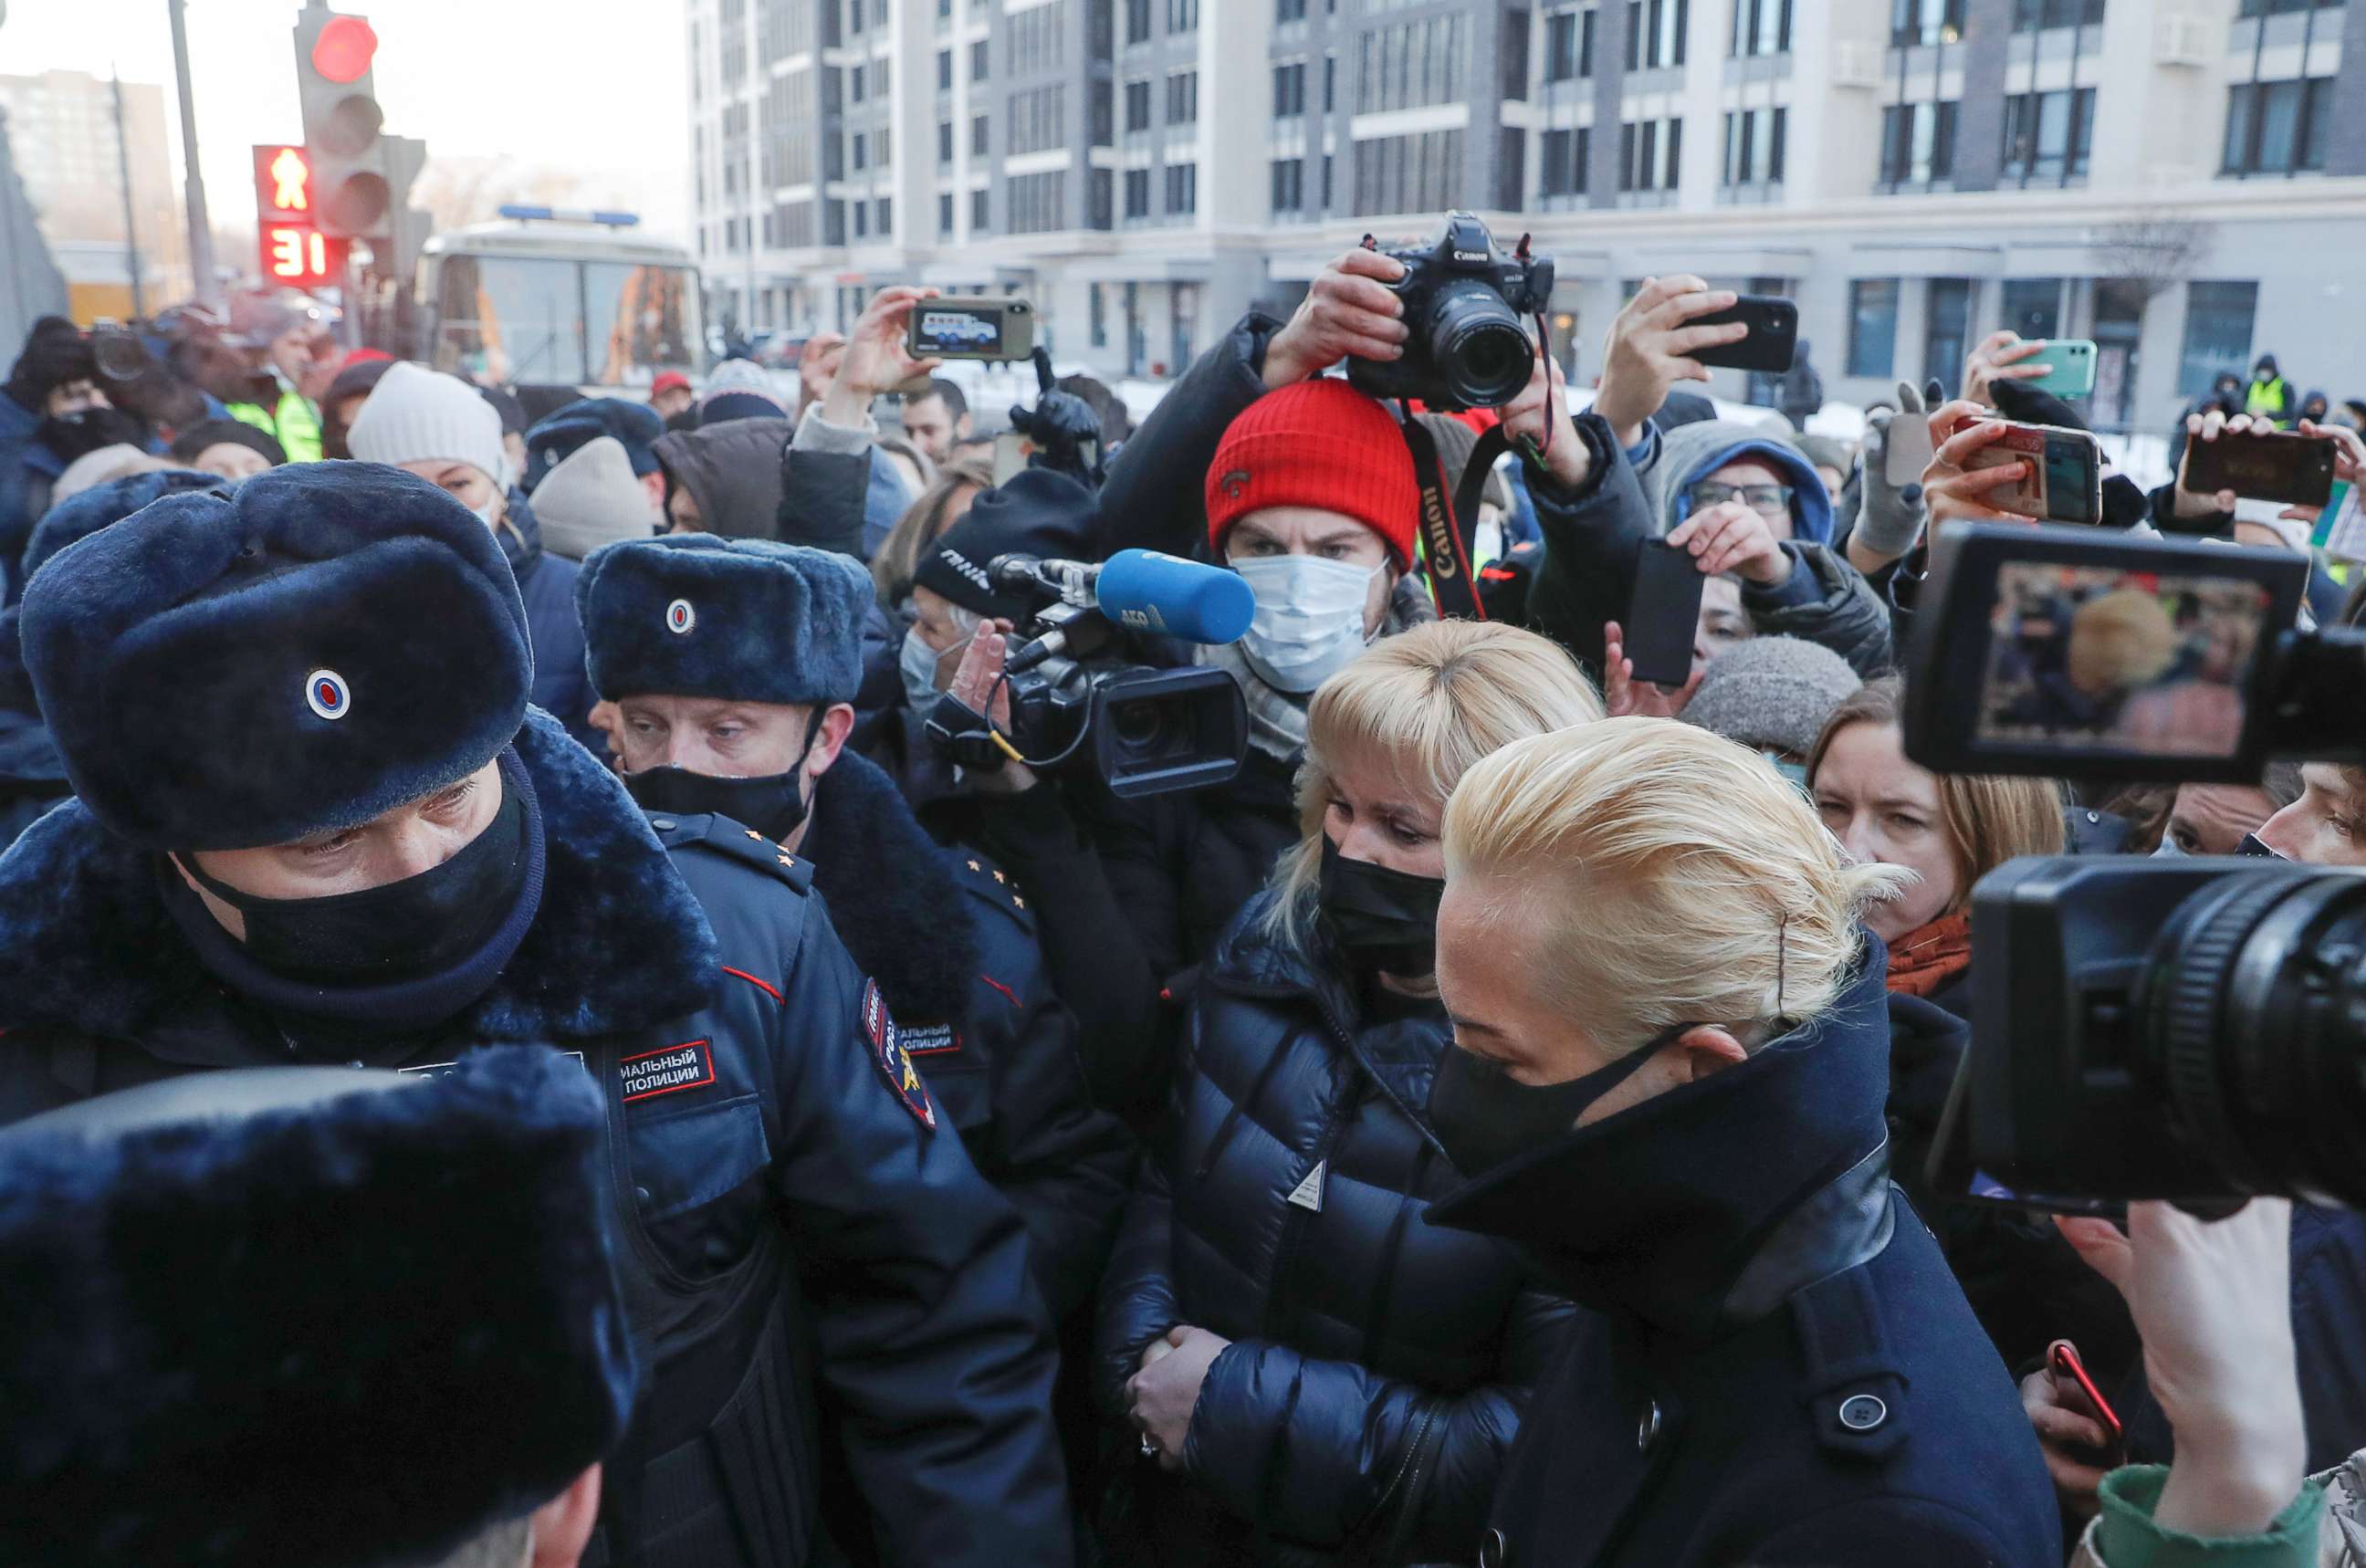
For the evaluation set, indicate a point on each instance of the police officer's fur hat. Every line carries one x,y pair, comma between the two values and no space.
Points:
749,620
309,1316
549,440
223,670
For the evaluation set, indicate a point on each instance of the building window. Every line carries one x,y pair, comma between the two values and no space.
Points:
978,61
854,15
2047,135
1923,22
1753,145
1655,33
1137,21
944,141
1649,157
1917,144
1420,172
862,219
1326,183
1512,55
1039,121
1182,190
2036,15
1097,313
1946,327
1411,65
1873,327
886,216
1038,202
1560,46
1038,39
1137,193
1101,128
1100,192
1137,106
1289,90
977,224
977,136
2249,9
1182,17
2033,306
2218,318
1761,27
944,70
1288,184
1511,168
1182,97
854,86
1565,154
945,216
1290,10
1330,82
860,154
2277,127
1184,301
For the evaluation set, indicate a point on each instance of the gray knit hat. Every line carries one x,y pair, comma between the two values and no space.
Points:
1772,691
592,498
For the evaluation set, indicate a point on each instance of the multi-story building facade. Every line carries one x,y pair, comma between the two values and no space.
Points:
2183,181
63,128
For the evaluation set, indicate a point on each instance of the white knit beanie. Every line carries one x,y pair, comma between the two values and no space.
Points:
592,498
418,415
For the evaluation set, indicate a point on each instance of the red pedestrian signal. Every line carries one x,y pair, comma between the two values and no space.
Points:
293,252
343,50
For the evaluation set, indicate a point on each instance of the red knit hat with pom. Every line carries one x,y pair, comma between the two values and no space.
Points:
1319,444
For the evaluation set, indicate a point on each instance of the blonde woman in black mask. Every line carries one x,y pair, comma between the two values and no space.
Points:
1311,1373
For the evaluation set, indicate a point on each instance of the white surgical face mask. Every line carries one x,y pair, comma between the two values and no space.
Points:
918,664
1309,617
490,513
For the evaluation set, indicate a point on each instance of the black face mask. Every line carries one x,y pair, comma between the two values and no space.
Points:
400,931
1485,1117
1384,919
2253,846
774,805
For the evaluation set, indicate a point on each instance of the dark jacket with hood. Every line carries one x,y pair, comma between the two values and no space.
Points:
1593,533
951,942
562,686
733,471
32,775
912,1307
1778,1370
1378,1364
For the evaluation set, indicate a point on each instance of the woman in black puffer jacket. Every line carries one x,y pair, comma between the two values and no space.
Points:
1316,1375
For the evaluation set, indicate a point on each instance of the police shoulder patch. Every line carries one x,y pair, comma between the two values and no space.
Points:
895,1063
989,884
724,836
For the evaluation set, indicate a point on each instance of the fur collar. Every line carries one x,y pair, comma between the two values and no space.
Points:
619,944
892,893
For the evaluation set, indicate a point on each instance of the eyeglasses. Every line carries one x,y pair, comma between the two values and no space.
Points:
1773,500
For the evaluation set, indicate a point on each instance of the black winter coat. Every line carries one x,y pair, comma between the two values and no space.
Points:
910,1302
1378,1364
1779,1370
562,682
951,942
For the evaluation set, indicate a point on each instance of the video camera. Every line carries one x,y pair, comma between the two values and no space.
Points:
1150,730
2193,1028
1464,301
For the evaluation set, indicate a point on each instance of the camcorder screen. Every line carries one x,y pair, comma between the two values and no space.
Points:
2088,657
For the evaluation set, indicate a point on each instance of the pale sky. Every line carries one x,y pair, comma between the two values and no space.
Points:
591,85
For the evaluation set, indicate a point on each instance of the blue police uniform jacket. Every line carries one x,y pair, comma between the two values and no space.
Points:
766,1107
1779,1368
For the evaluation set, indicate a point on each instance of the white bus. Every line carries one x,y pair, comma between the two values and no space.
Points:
551,298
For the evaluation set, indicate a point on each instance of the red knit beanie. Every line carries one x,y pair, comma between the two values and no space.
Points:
1322,443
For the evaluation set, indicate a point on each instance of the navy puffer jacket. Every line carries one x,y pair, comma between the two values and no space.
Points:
1378,1364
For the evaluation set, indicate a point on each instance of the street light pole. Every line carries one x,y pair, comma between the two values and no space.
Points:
130,226
201,234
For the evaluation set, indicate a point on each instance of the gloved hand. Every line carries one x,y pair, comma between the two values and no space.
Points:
1890,517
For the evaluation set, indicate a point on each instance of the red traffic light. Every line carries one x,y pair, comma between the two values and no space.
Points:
342,51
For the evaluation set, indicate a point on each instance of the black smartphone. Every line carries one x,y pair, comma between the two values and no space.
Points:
970,327
1773,339
2294,469
1665,616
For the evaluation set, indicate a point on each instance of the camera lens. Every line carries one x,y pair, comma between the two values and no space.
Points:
2254,1009
1481,352
1138,725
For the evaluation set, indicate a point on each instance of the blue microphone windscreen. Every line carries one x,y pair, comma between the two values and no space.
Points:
1148,592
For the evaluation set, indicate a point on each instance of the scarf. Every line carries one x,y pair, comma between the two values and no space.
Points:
1277,719
1930,955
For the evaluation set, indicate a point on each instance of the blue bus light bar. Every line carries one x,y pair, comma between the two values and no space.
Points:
556,215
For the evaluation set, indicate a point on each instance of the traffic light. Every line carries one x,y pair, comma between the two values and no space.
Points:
348,188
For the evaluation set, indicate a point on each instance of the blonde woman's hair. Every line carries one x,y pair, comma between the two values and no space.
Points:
1987,818
1434,698
899,553
1667,876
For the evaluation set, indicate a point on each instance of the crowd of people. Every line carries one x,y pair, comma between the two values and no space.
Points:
523,1042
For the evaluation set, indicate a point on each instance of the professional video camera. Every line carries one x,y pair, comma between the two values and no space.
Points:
1150,730
2190,1028
1463,304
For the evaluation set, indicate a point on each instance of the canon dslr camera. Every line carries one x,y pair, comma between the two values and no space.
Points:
1464,302
2189,1027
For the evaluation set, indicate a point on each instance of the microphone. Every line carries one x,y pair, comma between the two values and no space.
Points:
1143,591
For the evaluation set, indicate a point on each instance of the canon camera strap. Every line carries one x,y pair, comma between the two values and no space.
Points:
1449,516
